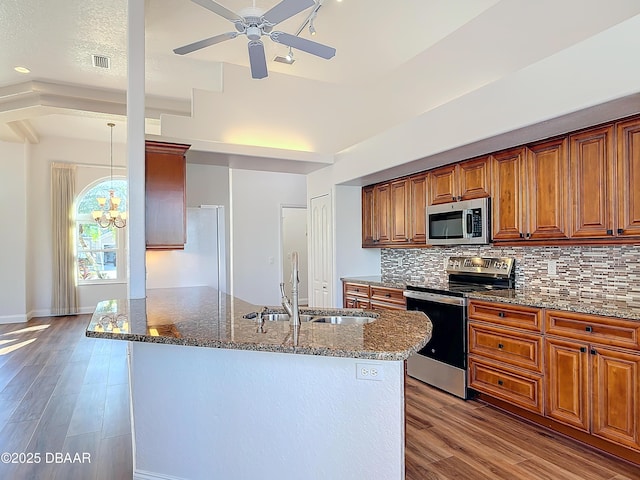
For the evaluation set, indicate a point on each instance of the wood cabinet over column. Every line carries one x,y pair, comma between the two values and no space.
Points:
165,201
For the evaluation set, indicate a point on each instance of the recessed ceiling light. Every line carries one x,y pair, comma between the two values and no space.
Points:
22,69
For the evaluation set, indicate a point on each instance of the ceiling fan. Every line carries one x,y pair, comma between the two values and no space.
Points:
254,23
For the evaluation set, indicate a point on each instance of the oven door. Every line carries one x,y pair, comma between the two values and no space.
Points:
448,342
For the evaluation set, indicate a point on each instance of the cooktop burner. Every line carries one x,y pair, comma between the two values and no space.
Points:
472,274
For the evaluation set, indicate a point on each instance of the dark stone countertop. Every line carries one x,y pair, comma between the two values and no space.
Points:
205,317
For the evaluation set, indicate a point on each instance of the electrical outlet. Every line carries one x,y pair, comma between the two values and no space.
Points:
369,371
552,267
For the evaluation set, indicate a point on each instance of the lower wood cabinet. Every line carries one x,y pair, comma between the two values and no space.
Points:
577,370
506,362
359,295
591,386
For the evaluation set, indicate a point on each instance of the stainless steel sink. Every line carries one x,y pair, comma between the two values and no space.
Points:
283,317
343,320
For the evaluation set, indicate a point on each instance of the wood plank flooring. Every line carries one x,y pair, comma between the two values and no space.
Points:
63,392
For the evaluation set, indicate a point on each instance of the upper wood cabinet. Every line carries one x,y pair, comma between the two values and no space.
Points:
460,181
592,173
547,192
530,192
165,201
393,213
628,177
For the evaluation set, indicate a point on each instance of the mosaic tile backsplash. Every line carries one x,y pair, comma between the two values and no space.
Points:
610,271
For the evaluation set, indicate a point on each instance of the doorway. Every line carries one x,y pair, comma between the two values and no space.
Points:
294,239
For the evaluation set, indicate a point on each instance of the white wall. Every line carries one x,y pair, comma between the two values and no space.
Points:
86,154
256,198
237,414
294,239
13,237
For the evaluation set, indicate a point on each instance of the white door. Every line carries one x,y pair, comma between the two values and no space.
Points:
321,252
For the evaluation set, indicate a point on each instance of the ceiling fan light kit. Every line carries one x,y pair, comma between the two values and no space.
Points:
254,24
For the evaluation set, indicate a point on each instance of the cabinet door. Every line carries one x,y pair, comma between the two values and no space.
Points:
382,212
616,395
547,200
507,184
165,182
567,383
417,210
443,186
400,211
475,178
591,174
628,177
368,212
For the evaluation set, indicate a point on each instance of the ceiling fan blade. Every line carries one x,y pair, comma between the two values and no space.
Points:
219,9
192,47
286,9
257,59
303,44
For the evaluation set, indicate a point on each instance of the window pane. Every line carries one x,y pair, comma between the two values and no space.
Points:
88,202
93,237
97,254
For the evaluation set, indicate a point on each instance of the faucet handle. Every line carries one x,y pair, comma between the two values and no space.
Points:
282,288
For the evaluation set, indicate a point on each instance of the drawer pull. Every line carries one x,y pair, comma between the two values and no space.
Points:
501,314
500,345
388,295
589,329
500,382
593,352
583,349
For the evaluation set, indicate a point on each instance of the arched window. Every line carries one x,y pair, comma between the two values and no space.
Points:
101,252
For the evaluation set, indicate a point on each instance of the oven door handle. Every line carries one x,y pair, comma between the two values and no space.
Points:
434,297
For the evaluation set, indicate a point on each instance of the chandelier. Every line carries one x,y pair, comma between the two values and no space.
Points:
109,213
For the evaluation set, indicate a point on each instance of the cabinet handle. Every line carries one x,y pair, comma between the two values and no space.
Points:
583,349
501,314
593,351
500,382
528,235
620,231
589,328
500,345
522,235
609,232
388,295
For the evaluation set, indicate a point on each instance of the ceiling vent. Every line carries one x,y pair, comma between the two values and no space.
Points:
100,61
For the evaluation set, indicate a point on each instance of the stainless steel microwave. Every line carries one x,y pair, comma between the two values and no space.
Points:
459,223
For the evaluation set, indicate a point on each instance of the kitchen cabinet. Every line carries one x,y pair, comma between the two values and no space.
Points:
592,167
393,213
165,201
530,192
359,295
505,353
355,295
460,181
628,177
593,375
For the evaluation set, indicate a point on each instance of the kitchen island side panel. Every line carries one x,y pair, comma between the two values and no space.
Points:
201,413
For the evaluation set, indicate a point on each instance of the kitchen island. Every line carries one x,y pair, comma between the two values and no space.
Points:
218,395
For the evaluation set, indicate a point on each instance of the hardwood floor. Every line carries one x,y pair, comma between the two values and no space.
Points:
63,392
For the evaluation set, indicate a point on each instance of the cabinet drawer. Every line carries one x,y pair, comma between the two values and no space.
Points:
516,348
518,387
594,328
356,290
388,295
527,318
386,306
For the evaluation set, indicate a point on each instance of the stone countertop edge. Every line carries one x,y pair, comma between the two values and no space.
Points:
177,317
588,304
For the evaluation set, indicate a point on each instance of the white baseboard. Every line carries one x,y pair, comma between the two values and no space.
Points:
47,313
144,475
5,319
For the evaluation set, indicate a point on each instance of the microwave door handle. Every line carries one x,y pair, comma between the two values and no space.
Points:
468,223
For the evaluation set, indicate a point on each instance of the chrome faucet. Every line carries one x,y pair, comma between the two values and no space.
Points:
292,307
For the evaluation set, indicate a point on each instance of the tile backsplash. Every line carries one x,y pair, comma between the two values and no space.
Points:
610,271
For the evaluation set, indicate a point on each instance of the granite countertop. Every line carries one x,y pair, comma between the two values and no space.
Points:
551,299
205,317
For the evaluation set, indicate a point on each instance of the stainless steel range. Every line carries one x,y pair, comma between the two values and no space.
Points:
443,361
